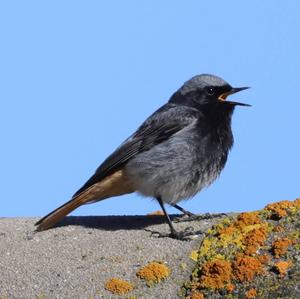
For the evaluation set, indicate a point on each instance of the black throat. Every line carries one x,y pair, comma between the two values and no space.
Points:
215,119
218,124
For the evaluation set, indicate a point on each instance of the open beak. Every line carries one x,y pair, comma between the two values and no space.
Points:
223,96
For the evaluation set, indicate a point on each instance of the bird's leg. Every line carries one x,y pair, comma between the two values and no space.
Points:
185,212
174,234
173,231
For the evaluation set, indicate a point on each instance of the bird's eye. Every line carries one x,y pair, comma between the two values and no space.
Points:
210,91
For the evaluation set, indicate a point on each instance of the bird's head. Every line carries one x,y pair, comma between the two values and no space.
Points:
207,90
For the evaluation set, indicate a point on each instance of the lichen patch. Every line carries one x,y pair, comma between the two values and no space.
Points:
282,208
118,286
196,295
282,267
246,268
239,255
280,246
215,274
252,293
154,273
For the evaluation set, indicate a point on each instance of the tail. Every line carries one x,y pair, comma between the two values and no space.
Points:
113,185
58,214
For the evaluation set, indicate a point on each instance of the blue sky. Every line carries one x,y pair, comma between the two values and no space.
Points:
78,77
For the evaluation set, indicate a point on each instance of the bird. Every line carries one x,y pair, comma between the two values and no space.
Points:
178,150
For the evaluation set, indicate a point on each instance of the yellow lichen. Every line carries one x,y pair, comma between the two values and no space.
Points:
215,274
252,293
154,272
194,255
209,248
118,286
206,249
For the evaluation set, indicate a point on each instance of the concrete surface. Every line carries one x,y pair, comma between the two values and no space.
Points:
75,259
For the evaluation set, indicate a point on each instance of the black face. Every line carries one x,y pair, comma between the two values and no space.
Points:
218,95
204,91
212,94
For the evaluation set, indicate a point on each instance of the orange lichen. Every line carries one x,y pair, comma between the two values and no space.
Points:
254,239
196,295
242,221
282,267
118,286
280,246
264,259
215,274
245,268
247,218
252,293
280,209
230,288
156,213
234,250
154,272
229,230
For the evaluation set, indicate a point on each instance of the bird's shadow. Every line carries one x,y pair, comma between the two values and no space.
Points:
113,223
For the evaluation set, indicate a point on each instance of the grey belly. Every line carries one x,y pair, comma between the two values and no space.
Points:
172,171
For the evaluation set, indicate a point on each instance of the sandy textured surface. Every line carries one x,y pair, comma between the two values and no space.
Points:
75,259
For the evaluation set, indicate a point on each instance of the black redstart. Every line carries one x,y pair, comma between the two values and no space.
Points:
180,149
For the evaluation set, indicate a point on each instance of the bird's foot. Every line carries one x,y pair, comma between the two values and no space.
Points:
184,235
195,217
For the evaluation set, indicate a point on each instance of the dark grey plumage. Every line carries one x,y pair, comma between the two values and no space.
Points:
187,161
180,149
